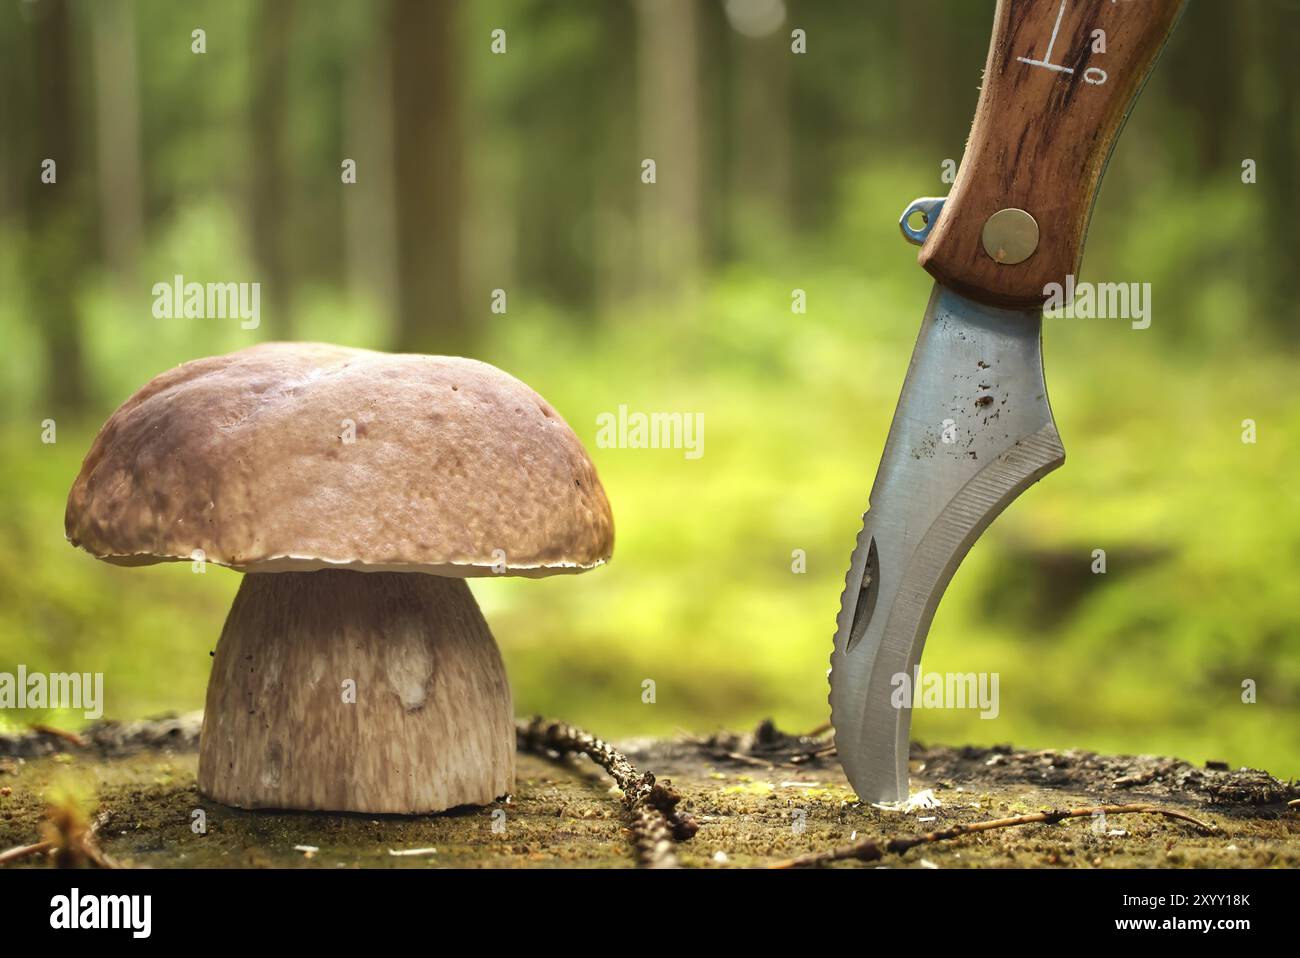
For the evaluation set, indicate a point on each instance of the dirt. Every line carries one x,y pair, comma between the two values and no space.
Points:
759,797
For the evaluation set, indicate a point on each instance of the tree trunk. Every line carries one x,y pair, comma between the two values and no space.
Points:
117,133
760,147
269,112
668,105
426,139
369,214
54,250
1279,142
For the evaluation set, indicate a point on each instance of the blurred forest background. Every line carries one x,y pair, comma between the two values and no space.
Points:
776,171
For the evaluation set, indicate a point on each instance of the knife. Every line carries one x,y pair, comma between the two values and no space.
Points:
973,428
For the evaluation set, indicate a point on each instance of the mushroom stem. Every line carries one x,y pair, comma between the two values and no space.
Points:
356,691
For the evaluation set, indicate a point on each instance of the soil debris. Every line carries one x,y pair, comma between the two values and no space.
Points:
756,798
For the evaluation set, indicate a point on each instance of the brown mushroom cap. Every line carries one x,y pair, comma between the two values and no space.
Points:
456,467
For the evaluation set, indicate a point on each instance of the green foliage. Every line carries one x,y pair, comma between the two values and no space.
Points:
1198,528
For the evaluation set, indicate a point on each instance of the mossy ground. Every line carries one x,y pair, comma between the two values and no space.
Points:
564,813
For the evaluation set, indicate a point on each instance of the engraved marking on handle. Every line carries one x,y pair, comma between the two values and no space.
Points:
1093,75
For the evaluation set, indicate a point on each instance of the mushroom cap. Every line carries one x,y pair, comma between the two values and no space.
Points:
301,456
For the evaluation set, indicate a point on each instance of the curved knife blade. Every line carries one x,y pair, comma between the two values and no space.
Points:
972,431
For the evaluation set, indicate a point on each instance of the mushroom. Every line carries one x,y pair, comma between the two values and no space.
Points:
358,491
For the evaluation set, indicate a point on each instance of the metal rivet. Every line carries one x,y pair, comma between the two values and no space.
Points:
1010,236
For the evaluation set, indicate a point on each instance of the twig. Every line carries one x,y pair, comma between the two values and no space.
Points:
107,738
90,847
67,735
716,753
870,850
72,843
651,805
22,851
812,755
783,754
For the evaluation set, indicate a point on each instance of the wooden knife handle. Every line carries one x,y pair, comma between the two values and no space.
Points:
1060,79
